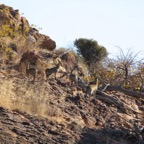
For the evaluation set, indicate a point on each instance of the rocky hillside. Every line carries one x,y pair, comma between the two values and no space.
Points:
52,111
18,34
49,112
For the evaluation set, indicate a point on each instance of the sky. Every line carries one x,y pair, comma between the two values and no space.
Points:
112,23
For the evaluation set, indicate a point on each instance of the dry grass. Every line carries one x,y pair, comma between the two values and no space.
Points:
26,97
6,93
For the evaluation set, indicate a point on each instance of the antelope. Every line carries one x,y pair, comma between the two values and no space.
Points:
31,71
57,68
82,84
78,72
73,79
92,87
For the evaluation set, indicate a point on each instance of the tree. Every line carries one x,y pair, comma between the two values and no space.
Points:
124,74
91,51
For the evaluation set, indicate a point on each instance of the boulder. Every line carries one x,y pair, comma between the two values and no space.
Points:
48,44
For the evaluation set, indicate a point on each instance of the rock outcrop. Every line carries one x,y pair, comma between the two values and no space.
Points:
9,16
20,26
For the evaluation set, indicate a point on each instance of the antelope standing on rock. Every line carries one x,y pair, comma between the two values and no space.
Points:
92,87
31,72
73,79
57,68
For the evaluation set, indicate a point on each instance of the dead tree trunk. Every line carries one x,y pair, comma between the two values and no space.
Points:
125,91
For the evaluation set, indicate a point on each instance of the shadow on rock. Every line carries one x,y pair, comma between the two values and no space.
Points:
110,136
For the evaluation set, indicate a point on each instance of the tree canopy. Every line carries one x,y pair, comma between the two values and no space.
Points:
90,50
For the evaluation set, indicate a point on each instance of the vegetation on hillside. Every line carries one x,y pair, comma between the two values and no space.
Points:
63,100
91,52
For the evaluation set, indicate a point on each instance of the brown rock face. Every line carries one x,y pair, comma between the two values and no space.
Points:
9,15
30,57
24,27
27,58
48,44
21,26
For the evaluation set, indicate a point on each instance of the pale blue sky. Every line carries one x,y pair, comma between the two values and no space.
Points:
110,22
